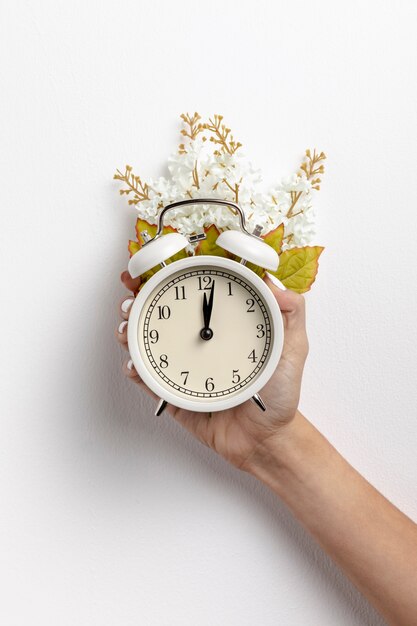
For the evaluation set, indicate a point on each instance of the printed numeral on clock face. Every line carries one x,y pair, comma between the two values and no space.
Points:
236,347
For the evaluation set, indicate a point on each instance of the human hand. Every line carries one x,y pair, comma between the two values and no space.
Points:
240,434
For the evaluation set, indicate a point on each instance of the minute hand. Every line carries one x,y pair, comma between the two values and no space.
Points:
208,307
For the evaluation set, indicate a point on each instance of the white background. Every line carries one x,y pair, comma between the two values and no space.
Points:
108,515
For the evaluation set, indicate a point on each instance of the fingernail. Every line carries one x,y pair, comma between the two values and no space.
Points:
122,327
130,365
126,304
276,282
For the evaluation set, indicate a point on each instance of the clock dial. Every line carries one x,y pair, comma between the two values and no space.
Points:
205,333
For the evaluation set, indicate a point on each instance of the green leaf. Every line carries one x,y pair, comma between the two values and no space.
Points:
255,268
298,267
274,238
208,245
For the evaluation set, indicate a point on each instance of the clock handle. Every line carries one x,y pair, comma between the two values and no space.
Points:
248,246
230,205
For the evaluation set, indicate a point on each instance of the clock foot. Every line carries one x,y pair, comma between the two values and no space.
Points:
259,402
161,407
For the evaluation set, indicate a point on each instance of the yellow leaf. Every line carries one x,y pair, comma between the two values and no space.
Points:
255,268
176,257
208,245
274,238
133,247
298,267
147,275
180,255
142,225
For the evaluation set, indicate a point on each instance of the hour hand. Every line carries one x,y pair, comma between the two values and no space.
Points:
206,333
206,316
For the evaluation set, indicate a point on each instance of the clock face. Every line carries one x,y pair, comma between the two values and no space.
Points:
205,333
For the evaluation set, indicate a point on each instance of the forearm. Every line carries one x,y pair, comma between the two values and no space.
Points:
373,542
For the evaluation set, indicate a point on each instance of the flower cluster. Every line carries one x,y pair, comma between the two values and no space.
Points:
209,163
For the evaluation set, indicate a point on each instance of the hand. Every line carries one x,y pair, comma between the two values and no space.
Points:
206,332
240,434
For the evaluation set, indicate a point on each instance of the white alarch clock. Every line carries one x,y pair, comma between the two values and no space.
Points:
205,333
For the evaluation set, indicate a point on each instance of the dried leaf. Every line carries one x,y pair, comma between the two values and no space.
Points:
274,238
255,268
133,247
208,245
298,267
143,225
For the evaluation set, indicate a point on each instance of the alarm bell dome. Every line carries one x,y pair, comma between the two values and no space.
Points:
250,248
155,252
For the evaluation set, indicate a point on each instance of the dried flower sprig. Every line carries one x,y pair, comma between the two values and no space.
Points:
134,184
217,169
309,167
194,125
221,136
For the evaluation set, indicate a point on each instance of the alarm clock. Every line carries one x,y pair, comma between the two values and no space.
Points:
205,333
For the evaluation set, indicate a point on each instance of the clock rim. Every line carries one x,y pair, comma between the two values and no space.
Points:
252,388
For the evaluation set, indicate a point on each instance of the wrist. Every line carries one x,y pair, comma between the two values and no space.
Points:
282,453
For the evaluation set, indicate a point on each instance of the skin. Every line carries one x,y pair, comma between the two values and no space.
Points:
370,539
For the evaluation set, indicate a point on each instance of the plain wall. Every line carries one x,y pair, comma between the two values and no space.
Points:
109,515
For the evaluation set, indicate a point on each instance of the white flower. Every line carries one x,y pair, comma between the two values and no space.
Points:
196,172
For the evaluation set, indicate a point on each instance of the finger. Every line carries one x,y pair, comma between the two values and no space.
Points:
129,371
292,305
129,282
198,424
125,306
121,333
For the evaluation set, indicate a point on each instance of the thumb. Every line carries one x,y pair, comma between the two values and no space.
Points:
129,282
292,304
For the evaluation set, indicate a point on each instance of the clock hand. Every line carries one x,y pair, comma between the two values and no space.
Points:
206,333
205,311
210,304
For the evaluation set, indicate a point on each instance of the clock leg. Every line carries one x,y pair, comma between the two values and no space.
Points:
161,407
259,402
